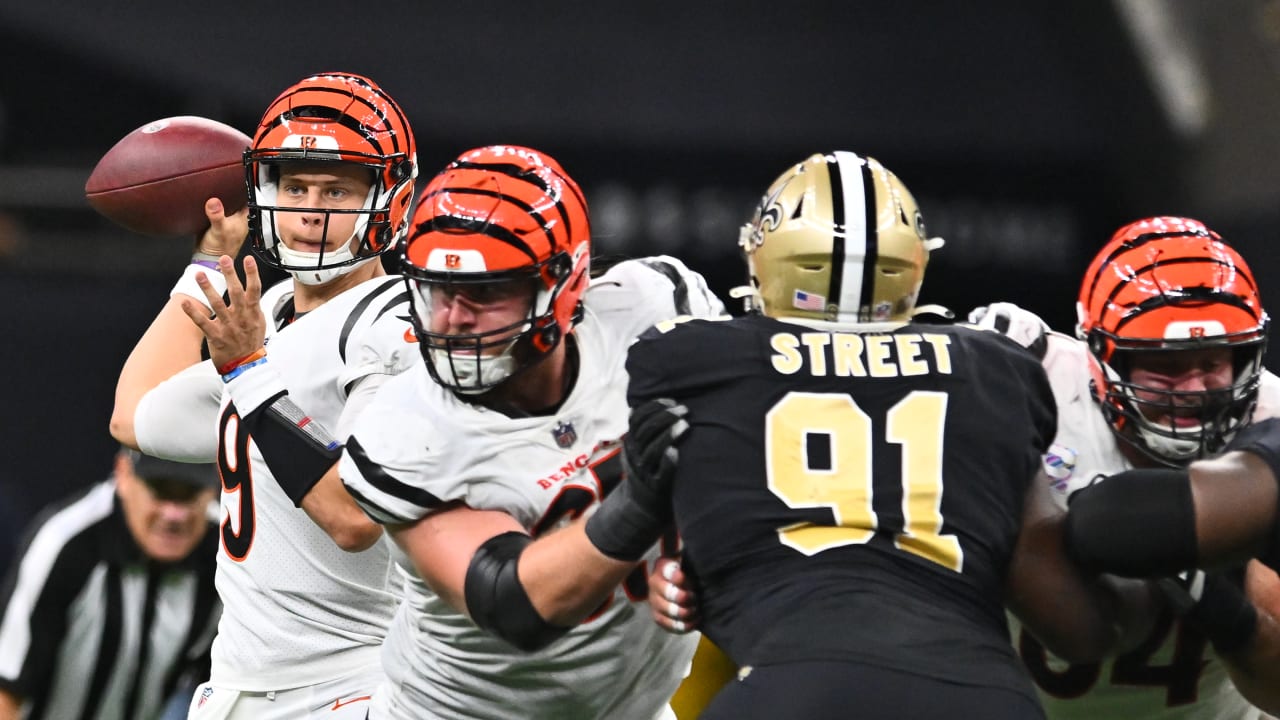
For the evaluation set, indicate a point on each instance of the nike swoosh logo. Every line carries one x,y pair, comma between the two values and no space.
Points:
410,336
339,704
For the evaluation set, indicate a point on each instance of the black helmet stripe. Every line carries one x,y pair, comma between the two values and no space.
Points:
837,236
1186,294
453,223
1139,241
526,207
871,253
853,207
521,173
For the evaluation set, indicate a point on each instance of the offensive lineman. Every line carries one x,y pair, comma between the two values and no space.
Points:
1168,368
478,459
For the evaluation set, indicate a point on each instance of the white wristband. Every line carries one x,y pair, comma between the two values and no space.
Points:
250,390
186,284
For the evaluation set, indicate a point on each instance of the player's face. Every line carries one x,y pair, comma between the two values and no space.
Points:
481,308
1172,385
167,518
314,189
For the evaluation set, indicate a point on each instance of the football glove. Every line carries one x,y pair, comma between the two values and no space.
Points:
1022,326
637,512
1215,604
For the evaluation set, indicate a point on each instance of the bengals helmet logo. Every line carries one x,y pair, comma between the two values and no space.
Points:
452,261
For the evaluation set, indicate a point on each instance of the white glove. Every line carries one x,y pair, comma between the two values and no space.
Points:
1022,326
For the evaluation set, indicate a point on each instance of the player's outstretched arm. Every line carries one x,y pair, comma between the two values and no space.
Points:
1155,522
1075,614
530,592
171,343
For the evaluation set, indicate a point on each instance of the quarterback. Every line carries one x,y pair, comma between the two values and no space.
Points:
330,175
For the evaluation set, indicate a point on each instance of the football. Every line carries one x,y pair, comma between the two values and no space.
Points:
155,180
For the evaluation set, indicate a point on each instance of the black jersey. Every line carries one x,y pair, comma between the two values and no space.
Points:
851,494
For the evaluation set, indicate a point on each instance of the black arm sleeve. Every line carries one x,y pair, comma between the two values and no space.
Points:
498,602
298,450
1138,523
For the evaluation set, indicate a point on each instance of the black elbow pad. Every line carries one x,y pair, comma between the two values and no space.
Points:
1138,523
498,602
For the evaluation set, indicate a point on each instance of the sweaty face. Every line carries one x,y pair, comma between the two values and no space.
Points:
167,518
314,189
1175,388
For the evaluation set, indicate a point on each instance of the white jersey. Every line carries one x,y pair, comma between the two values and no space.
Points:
299,610
1174,674
419,446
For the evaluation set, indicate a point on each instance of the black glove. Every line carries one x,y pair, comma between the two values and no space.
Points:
634,516
1215,604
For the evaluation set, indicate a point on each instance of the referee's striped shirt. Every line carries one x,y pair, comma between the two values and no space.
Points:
91,629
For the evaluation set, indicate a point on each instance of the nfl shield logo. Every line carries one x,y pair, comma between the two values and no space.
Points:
565,435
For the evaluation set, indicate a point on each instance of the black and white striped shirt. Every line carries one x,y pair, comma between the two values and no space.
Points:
90,628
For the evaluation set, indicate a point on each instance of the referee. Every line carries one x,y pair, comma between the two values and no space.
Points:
110,606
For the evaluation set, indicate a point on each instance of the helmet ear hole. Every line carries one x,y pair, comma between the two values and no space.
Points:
549,336
1097,344
402,170
560,266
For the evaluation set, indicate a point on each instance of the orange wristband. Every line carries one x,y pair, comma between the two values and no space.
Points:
255,355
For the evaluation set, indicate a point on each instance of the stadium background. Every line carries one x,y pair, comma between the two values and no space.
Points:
1027,130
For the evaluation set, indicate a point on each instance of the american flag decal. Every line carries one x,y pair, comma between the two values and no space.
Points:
565,435
808,301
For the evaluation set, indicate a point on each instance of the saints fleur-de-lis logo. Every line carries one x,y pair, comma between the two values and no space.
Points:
767,217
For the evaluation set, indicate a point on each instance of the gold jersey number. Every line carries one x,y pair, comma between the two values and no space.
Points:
844,481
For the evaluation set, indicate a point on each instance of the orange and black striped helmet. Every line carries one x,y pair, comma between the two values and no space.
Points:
332,118
497,219
1170,284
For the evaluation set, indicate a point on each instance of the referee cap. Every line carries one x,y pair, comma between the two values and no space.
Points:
148,467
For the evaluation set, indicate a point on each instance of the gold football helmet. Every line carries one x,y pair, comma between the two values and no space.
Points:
837,238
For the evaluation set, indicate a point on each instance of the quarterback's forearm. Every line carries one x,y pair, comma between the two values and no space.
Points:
330,506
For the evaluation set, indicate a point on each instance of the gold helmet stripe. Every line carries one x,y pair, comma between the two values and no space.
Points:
853,204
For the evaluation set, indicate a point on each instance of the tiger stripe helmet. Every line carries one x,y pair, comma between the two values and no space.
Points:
1171,284
332,118
498,214
836,238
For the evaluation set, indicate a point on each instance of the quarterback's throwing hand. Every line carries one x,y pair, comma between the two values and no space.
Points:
237,327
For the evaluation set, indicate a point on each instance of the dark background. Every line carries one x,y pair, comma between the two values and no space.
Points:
1028,131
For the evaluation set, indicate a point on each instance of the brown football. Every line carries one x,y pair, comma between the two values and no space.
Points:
156,179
